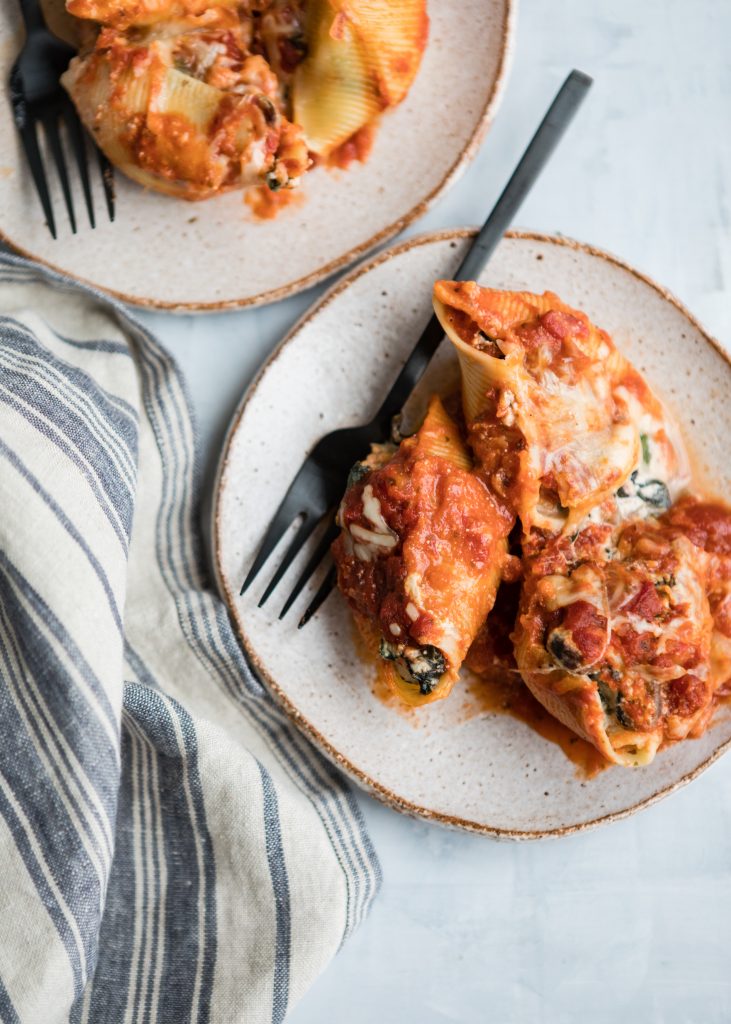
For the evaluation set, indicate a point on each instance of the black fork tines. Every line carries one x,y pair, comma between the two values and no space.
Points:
78,144
308,523
47,121
323,591
323,546
283,519
53,138
74,137
306,527
29,136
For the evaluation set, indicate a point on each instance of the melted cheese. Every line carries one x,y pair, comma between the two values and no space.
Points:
372,511
585,584
369,544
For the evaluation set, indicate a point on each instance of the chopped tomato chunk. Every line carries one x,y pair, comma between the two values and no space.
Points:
645,604
588,628
686,695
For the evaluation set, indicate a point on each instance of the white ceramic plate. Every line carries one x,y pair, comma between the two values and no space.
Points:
486,772
173,254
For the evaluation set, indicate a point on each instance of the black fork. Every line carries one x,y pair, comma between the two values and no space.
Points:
38,99
316,490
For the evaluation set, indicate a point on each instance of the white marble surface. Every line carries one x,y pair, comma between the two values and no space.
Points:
632,921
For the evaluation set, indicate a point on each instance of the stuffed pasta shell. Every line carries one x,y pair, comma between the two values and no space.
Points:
558,419
420,555
363,56
187,112
614,637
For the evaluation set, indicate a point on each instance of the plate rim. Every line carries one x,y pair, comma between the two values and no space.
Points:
356,774
465,155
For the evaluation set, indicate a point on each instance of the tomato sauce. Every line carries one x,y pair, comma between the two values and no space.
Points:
707,524
645,604
266,205
357,147
588,629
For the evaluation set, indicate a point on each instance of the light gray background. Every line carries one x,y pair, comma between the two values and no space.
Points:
633,921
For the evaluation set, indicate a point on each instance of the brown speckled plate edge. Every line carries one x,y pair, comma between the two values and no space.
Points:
360,777
291,288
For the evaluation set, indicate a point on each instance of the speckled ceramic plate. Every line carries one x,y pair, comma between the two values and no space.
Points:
213,255
481,771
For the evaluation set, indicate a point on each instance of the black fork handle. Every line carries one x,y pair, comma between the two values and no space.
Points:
32,15
548,134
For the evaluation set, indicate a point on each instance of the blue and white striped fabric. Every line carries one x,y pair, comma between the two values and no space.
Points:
171,849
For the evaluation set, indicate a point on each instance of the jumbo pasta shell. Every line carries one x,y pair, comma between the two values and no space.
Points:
581,711
574,700
153,125
394,34
496,312
334,93
438,436
577,436
106,105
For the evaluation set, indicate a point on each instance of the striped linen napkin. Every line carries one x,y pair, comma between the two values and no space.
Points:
171,848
